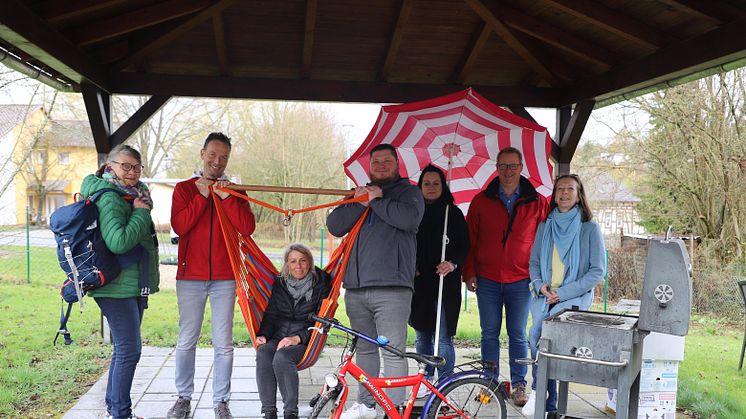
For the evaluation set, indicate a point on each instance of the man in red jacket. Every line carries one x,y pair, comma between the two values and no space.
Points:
502,223
204,271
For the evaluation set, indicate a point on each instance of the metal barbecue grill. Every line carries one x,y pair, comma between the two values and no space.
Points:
605,350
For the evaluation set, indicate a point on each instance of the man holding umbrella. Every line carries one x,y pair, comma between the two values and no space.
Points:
502,223
378,281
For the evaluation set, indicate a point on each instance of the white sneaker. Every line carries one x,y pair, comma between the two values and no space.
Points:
529,407
359,411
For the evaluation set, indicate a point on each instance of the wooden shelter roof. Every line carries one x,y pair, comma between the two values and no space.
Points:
572,55
546,53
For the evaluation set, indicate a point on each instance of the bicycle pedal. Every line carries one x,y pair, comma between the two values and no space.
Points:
484,397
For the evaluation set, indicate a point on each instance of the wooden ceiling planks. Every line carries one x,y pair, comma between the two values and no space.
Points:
380,50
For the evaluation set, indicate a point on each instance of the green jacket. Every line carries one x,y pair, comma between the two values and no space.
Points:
122,228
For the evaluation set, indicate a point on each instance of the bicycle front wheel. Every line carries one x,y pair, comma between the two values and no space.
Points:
325,407
474,396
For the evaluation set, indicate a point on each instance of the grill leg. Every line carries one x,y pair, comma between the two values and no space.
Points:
542,378
564,387
634,397
624,384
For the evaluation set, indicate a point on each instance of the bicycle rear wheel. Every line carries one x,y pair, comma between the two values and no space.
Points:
325,407
474,396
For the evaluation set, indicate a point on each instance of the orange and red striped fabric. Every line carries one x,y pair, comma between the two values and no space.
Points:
255,273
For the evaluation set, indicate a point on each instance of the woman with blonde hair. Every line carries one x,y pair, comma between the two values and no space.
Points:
283,335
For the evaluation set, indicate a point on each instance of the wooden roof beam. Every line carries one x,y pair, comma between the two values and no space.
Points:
318,90
175,33
556,37
134,122
55,11
98,106
570,137
489,16
714,10
23,28
463,73
718,46
393,49
104,29
220,48
595,13
310,31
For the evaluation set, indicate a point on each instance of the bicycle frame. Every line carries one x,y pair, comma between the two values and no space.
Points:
374,385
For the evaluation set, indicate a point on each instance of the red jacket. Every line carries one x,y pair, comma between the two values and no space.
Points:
500,249
202,251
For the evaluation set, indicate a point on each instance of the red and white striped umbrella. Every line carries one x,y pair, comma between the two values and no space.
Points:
474,128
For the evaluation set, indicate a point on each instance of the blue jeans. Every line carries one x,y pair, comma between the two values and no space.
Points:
192,296
124,316
534,334
425,344
491,297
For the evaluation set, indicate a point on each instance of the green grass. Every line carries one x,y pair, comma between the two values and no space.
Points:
38,379
709,381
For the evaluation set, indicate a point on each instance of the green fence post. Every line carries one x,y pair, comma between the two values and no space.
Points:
606,280
321,255
28,249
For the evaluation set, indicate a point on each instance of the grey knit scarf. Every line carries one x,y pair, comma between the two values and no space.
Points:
300,288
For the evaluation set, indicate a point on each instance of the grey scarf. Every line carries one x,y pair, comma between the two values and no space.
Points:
300,288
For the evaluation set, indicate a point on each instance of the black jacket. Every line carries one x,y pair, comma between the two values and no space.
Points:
284,318
429,240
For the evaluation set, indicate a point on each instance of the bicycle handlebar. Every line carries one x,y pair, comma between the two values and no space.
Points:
328,323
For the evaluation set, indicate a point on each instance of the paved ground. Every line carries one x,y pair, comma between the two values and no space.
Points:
153,388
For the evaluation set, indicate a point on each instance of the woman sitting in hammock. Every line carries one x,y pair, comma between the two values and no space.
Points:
283,335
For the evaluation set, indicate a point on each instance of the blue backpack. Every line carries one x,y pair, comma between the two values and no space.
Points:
83,255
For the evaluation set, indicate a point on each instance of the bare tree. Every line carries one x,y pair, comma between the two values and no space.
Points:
287,144
696,156
180,120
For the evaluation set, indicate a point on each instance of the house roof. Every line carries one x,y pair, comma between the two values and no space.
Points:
12,115
546,53
69,133
603,187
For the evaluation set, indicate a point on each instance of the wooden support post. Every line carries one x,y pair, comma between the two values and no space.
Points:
291,189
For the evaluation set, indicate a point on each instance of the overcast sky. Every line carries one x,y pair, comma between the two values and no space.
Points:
356,119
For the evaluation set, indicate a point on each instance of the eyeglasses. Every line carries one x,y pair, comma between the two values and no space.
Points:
511,166
127,166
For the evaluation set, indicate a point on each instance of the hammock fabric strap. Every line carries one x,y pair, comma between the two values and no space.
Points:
287,212
255,273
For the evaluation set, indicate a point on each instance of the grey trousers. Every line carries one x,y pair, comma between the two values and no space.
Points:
192,297
278,369
380,311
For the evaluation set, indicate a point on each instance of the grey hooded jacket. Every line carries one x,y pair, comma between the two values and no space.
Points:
385,251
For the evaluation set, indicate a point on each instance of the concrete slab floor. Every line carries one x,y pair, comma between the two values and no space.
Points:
153,390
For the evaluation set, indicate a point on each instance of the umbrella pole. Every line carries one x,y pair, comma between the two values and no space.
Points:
442,259
440,285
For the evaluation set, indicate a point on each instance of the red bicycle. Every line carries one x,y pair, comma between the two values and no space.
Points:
470,392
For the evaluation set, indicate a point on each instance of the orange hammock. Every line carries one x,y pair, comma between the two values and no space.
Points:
255,273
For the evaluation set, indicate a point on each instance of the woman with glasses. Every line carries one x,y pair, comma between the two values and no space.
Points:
568,259
127,229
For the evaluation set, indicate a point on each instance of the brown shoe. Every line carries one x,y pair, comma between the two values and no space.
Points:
519,395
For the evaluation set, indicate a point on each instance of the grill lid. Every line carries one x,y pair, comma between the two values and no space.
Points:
586,318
